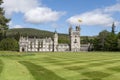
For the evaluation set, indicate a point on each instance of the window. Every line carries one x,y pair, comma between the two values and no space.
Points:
75,41
40,44
31,45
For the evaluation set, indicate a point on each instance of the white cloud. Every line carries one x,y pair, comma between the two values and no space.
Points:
113,8
33,11
42,15
92,18
101,17
17,26
22,6
11,25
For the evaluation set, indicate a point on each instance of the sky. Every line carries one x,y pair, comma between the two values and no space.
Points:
59,15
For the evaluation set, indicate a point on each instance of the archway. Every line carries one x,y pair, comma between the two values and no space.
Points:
23,49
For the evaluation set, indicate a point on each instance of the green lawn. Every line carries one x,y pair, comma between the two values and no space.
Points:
60,66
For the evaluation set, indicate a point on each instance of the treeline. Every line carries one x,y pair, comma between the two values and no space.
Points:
106,41
31,33
28,32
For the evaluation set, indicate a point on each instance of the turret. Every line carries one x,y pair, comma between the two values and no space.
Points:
77,28
55,41
70,30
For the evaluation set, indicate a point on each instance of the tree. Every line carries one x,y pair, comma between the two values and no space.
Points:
106,41
9,44
17,36
85,40
113,28
118,35
118,42
3,22
111,42
102,39
96,44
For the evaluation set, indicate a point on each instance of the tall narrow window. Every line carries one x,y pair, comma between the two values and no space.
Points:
38,46
75,41
31,45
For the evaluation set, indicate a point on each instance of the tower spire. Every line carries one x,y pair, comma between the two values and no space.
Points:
113,28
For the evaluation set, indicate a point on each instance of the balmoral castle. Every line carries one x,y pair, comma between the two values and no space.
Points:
48,44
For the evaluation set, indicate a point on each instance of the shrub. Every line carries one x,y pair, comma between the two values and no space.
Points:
9,44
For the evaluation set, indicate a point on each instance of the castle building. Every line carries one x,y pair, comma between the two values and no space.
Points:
48,44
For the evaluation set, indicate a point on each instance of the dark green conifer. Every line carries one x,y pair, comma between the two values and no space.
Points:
3,22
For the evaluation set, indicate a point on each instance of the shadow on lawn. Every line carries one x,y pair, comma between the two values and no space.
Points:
115,68
95,75
39,72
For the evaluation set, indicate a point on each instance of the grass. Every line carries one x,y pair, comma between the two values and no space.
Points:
60,66
115,68
39,72
1,66
96,75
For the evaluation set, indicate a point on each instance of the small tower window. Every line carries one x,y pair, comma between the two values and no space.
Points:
75,41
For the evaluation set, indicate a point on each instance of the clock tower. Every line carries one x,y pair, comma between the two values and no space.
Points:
74,39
